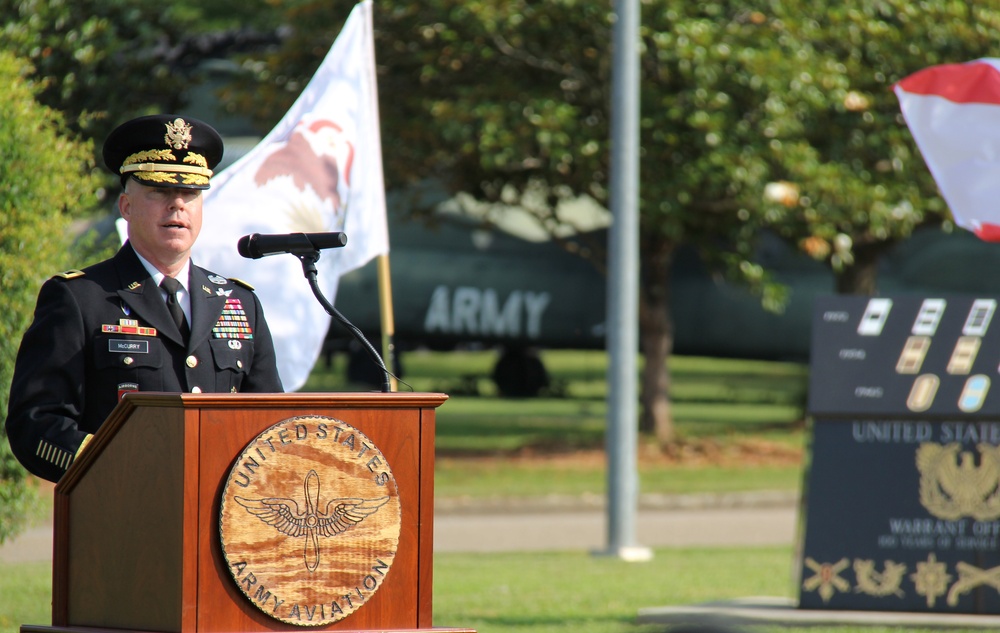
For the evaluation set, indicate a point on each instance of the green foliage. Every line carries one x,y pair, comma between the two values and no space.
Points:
101,61
855,180
498,98
510,101
461,95
762,114
44,176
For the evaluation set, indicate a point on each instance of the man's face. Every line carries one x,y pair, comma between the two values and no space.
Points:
163,222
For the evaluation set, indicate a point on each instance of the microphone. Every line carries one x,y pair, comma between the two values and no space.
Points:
255,246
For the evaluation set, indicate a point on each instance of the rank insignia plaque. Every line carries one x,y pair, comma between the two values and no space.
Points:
902,508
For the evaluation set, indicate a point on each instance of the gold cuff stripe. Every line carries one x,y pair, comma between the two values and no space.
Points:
154,167
53,454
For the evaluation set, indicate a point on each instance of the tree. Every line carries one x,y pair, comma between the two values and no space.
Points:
509,101
44,175
101,62
760,114
850,182
94,65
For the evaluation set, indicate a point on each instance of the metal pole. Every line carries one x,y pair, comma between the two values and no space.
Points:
387,319
623,288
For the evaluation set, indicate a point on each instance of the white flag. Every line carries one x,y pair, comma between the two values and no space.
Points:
953,112
318,170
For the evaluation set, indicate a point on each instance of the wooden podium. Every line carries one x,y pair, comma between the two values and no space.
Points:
137,543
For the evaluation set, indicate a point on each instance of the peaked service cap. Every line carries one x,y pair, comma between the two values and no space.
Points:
164,150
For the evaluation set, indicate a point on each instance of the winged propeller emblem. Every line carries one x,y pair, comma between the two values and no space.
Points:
312,522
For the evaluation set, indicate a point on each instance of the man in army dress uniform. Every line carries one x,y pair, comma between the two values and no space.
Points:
112,328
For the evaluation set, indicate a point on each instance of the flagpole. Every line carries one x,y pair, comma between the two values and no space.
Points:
386,318
623,288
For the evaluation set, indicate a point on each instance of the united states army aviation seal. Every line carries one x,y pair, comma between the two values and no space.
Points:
309,520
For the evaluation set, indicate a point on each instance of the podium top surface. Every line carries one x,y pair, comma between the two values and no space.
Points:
391,400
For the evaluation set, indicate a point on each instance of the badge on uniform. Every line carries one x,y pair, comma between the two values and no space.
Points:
233,322
128,326
127,387
218,280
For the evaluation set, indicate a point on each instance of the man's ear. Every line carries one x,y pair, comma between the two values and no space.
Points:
124,205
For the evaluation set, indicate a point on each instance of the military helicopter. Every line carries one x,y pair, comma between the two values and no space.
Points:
470,274
459,280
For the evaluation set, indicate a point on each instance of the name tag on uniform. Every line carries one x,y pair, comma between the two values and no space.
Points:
124,346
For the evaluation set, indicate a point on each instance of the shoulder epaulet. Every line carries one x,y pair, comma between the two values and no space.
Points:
241,282
71,274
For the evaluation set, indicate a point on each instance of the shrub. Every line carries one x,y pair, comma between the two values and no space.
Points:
46,178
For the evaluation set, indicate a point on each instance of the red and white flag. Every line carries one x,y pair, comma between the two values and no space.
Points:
953,112
318,170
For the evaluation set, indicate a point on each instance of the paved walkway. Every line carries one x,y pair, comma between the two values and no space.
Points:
557,523
35,544
560,524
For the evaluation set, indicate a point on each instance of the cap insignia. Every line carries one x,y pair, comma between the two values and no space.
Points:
178,134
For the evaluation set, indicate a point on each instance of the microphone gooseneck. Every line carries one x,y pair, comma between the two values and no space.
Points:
306,246
309,269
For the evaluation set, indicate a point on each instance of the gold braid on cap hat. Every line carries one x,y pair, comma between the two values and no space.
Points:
138,162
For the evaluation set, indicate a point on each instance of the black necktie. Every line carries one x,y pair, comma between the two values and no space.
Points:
171,285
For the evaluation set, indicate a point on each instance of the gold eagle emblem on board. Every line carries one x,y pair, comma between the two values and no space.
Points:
953,486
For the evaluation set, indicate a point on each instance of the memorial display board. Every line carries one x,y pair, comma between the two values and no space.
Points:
902,502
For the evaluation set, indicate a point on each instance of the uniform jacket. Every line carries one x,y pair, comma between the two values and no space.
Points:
105,331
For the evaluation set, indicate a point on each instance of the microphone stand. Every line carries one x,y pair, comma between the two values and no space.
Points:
309,270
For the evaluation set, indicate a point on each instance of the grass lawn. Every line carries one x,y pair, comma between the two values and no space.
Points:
25,595
739,425
555,592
